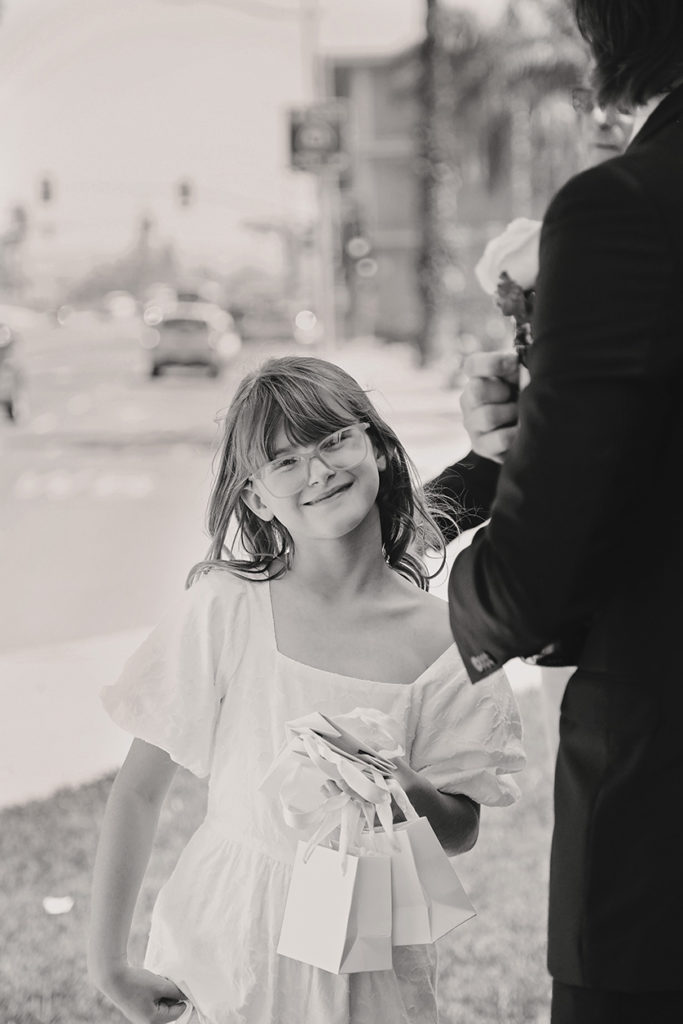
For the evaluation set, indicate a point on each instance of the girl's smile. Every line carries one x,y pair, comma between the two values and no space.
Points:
332,492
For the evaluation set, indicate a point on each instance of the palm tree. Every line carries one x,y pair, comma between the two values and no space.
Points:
548,58
493,86
429,258
534,54
446,33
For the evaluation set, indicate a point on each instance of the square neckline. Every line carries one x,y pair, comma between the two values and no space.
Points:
339,675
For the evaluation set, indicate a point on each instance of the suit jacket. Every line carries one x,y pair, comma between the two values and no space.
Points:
580,561
469,487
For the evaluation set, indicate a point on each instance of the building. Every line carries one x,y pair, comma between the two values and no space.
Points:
380,190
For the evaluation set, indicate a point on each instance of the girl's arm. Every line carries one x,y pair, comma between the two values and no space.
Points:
455,819
125,844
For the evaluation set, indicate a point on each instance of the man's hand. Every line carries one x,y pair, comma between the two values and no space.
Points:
489,402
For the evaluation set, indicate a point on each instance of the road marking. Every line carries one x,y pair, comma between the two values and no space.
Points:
58,485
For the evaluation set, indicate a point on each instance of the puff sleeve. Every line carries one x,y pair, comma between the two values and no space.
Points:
468,739
171,688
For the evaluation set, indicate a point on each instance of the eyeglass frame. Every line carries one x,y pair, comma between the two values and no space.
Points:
314,454
584,101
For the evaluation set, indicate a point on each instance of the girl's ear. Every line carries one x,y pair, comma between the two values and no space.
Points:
253,500
380,457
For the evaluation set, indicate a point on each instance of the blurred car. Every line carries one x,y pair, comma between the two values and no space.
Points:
12,379
188,334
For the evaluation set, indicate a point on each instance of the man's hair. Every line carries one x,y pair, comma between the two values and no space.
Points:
637,46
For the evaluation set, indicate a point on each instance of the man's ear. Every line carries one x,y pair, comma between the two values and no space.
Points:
253,500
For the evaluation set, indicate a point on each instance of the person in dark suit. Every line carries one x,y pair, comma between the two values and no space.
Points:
567,572
489,416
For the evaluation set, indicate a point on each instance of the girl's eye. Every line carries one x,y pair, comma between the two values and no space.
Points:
335,440
287,463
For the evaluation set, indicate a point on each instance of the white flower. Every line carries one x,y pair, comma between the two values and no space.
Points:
515,252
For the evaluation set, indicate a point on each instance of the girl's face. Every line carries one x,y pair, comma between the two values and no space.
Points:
331,503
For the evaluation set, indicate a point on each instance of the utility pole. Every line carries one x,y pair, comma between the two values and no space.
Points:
327,185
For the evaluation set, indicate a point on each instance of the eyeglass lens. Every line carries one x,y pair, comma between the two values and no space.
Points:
583,100
288,474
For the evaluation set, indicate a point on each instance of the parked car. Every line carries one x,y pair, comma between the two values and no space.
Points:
12,379
189,334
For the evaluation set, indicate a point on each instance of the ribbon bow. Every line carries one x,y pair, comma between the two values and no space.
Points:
351,794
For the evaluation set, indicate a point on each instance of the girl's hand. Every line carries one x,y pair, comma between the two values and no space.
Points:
143,997
406,778
404,774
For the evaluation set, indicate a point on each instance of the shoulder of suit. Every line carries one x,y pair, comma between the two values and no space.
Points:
604,188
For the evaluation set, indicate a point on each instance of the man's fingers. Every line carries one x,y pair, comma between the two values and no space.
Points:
493,364
481,419
487,390
496,444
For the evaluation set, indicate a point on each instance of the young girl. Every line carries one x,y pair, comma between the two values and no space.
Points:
325,611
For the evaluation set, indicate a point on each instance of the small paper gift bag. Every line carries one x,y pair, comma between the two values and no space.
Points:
338,911
428,898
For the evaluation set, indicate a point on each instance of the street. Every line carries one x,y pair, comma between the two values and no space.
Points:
104,488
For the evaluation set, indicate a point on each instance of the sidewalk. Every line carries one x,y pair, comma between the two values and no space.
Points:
58,734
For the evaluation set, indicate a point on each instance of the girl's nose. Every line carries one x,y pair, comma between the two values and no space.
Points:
317,470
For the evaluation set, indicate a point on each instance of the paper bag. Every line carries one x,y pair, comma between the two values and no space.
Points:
428,899
338,917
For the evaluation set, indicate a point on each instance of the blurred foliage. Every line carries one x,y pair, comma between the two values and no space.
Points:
502,93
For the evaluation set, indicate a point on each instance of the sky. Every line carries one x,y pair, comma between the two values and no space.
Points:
116,100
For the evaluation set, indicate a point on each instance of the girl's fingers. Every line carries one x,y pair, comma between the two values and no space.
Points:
169,1010
168,990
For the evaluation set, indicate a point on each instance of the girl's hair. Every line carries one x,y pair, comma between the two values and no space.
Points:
310,398
637,46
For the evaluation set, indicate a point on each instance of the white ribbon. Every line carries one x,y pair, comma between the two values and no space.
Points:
351,796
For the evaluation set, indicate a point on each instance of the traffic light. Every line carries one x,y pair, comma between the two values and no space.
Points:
185,192
358,256
46,190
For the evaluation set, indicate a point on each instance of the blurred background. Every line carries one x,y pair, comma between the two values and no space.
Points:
187,187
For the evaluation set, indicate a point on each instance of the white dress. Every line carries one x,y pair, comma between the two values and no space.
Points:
210,687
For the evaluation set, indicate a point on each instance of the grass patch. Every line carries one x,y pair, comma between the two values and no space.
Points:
493,968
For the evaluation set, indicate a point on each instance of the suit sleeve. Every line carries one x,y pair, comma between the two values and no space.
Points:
558,538
467,489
